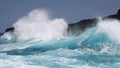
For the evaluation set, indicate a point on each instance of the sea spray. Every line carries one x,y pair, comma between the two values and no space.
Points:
38,24
7,36
111,28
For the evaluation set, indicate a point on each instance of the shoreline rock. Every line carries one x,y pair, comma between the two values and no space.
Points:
79,27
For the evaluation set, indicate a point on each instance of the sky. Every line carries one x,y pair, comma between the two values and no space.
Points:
71,10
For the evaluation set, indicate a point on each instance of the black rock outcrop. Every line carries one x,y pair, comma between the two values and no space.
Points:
114,16
9,29
78,27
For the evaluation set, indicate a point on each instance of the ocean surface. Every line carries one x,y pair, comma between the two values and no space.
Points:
28,47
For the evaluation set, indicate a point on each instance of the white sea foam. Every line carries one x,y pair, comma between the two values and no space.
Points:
111,28
7,61
38,24
7,35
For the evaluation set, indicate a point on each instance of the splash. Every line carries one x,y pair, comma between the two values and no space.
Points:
111,28
38,24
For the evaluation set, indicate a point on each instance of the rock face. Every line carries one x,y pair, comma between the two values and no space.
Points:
114,16
79,27
9,29
118,13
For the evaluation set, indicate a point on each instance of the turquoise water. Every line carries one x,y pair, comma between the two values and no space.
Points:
92,49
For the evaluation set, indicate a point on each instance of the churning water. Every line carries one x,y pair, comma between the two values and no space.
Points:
39,41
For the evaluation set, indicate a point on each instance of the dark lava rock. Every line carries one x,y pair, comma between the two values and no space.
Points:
79,27
9,29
